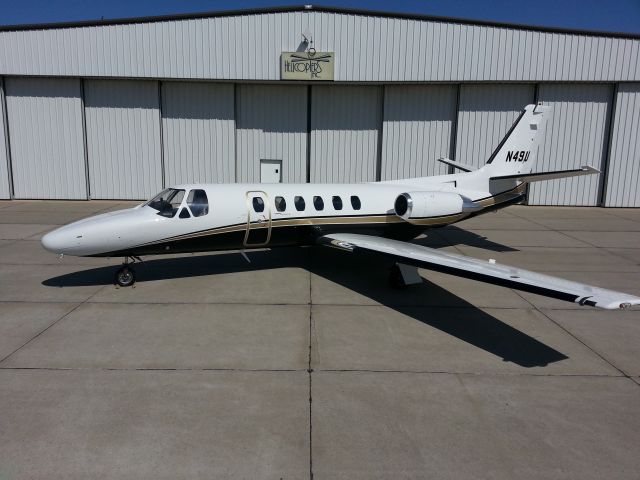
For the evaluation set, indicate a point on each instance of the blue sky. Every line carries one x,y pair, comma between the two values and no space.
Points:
604,15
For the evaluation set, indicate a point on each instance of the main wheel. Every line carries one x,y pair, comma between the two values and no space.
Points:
395,278
125,276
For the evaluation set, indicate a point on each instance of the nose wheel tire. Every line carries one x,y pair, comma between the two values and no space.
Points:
125,276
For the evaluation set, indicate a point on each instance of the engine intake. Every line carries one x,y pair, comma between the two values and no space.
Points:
415,205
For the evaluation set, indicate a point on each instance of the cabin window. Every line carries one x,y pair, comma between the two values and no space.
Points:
337,202
198,202
258,204
355,202
167,202
299,203
184,213
318,203
281,204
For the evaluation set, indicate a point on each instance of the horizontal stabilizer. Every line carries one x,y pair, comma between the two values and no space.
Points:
459,165
536,177
489,272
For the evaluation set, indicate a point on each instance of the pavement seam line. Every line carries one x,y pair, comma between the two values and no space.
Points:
601,356
310,374
154,369
597,247
572,237
51,325
592,349
461,307
328,370
611,211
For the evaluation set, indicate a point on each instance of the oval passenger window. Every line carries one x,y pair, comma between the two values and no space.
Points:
281,204
258,204
299,203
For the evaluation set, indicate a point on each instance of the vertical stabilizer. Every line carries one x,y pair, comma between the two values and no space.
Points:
516,153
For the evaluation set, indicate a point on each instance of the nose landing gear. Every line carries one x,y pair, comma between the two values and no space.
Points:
126,275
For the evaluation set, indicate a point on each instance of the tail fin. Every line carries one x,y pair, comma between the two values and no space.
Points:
516,153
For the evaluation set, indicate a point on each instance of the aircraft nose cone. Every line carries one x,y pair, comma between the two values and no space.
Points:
55,241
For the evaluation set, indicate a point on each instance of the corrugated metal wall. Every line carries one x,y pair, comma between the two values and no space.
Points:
45,130
345,124
623,179
123,138
417,126
576,135
4,166
486,112
198,129
271,125
368,48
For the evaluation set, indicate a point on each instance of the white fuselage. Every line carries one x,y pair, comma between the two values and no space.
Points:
232,222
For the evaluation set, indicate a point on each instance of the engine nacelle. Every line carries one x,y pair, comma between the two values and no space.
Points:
415,205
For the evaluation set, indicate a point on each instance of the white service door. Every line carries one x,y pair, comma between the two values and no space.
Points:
270,171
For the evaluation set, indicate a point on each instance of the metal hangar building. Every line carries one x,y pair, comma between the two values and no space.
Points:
120,109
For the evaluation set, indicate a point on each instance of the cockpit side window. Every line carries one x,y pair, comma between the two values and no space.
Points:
167,202
198,202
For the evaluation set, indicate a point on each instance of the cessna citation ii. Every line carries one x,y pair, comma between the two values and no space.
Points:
373,218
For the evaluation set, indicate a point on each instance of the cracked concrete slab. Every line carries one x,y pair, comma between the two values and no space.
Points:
21,322
453,340
132,336
403,425
614,335
153,424
200,370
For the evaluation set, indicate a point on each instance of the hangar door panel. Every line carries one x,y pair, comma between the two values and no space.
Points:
123,138
4,169
417,130
486,113
623,179
345,123
45,132
576,135
271,125
198,131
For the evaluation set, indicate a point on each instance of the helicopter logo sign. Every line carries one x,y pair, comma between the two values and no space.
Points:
309,65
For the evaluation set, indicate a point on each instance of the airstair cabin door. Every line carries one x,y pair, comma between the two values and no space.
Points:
258,232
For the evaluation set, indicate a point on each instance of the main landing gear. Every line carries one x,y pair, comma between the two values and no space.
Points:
126,275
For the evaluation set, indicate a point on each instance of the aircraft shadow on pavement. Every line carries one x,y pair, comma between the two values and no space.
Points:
427,303
452,235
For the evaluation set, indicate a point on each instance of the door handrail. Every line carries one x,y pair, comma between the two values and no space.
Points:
248,229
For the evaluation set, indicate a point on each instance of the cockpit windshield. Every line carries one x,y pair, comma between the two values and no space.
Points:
167,202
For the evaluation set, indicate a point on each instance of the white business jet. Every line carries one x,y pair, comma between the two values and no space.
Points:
373,218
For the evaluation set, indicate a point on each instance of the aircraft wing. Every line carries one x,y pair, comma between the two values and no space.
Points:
467,267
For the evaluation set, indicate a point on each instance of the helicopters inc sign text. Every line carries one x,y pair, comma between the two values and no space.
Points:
306,65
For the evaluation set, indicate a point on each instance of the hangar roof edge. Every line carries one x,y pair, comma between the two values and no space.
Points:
311,8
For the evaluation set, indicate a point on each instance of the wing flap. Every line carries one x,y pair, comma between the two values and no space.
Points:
467,267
